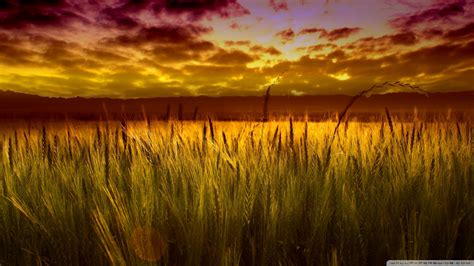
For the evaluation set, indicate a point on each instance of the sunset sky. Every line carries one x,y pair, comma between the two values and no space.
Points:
147,48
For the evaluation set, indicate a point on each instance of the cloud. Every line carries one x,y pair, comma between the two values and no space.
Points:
382,44
235,57
164,34
337,54
103,54
237,26
431,33
464,32
141,48
13,55
318,47
311,30
117,19
12,52
339,33
15,15
278,5
193,51
438,12
405,38
286,35
427,66
124,14
457,81
193,10
332,35
167,43
226,73
198,75
22,19
265,50
237,43
440,58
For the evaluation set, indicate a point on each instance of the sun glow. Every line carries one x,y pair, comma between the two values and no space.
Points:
340,76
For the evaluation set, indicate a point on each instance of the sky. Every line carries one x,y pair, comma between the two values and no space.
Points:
150,48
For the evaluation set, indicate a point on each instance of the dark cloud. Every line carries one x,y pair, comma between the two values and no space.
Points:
123,15
286,35
199,8
237,43
194,10
165,34
439,58
235,57
318,47
118,19
13,55
438,12
459,81
332,35
12,4
237,26
126,14
405,38
170,44
442,64
382,44
339,33
22,14
431,33
278,5
265,50
22,19
464,32
311,31
169,54
337,54
105,55
53,54
193,50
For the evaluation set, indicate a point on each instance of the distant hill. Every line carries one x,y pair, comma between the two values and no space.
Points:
15,105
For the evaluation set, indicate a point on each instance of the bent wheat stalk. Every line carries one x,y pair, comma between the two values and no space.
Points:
358,96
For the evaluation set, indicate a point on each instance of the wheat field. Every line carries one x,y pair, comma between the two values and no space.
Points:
235,193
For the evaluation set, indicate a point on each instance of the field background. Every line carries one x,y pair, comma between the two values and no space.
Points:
14,105
227,193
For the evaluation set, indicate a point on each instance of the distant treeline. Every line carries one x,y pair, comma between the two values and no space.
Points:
404,106
315,116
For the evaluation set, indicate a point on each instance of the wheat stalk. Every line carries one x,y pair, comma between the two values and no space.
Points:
292,134
358,96
211,128
389,118
267,98
305,145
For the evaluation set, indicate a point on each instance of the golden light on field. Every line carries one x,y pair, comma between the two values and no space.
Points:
227,193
